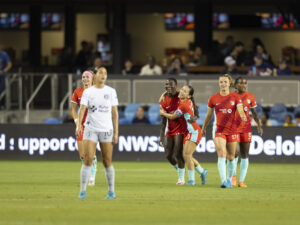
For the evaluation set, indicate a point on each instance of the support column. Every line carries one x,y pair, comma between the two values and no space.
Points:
70,27
119,37
35,35
203,24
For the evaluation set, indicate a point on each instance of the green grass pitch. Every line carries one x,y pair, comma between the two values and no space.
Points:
45,192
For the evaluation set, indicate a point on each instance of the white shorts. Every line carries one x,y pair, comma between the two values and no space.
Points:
96,137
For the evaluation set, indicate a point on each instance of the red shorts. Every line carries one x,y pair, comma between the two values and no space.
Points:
228,138
172,135
194,137
80,138
245,137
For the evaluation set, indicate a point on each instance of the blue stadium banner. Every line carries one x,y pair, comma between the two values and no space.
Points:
136,143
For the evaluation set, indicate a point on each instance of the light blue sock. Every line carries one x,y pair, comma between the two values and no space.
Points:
222,168
191,174
199,169
81,159
175,166
94,168
236,159
231,165
181,173
243,168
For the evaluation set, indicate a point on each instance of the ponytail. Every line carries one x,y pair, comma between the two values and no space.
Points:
196,111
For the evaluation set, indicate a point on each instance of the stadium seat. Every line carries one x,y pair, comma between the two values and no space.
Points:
130,112
52,121
274,122
259,110
153,113
278,112
297,110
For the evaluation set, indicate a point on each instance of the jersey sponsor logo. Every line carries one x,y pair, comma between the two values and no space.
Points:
106,97
93,108
231,102
245,108
229,110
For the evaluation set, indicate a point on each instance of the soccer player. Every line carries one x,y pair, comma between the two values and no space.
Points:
244,128
87,80
101,125
172,137
192,138
225,137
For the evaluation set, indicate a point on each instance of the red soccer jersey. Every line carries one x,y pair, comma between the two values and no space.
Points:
248,101
225,108
76,98
170,105
186,110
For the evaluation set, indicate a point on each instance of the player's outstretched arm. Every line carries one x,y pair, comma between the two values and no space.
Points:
115,120
255,117
206,120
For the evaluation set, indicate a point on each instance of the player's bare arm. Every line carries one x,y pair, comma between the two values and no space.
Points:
240,109
256,119
80,118
115,120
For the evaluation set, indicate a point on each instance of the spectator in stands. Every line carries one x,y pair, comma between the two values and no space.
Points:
260,68
282,68
260,50
97,62
129,68
227,46
297,118
177,67
214,57
66,58
289,121
82,57
239,53
265,120
140,116
230,64
151,68
5,66
197,58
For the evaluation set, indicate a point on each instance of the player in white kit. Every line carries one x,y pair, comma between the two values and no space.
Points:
102,125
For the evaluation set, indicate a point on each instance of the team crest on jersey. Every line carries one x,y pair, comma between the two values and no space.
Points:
106,97
248,100
231,102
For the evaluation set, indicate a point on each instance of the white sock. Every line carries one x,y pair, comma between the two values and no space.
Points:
110,177
84,176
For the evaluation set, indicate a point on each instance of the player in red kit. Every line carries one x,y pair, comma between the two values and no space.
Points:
171,132
244,128
87,80
224,105
186,110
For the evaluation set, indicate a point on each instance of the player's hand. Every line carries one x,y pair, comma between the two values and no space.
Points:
115,139
78,130
203,132
244,118
260,130
161,141
192,119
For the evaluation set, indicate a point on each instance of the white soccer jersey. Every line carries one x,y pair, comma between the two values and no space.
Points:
99,102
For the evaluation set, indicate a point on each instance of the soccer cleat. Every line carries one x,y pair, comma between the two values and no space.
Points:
91,182
233,180
191,183
229,184
224,184
110,195
242,184
180,182
82,195
203,176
